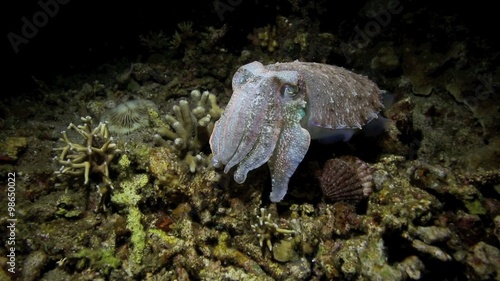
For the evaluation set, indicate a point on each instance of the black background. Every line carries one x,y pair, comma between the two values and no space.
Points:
84,34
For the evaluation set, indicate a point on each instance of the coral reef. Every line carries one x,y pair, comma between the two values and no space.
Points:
434,173
92,157
174,177
167,167
128,116
184,32
154,41
418,73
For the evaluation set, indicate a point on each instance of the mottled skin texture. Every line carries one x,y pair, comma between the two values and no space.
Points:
276,109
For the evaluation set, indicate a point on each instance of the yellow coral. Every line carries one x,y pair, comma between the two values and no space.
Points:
170,240
129,197
265,37
138,237
124,162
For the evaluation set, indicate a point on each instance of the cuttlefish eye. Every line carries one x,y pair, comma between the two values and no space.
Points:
289,91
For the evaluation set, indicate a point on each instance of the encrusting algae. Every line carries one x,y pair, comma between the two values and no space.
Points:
129,198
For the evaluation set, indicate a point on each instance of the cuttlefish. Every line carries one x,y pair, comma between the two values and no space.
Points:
275,110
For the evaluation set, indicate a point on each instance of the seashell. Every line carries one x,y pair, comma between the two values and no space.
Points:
128,116
346,178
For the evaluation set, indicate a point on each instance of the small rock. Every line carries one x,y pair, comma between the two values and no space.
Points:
284,251
33,265
484,259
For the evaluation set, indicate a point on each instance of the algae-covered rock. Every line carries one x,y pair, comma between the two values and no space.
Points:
430,234
484,260
70,205
284,251
33,265
103,259
11,147
475,207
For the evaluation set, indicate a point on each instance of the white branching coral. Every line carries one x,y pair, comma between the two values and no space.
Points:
91,157
265,228
189,126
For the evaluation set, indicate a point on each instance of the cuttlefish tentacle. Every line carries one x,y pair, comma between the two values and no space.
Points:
292,146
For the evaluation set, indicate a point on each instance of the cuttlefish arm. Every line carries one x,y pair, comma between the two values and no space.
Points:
292,146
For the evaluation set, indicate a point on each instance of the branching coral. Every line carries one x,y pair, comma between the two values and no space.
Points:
265,228
189,127
91,157
154,41
185,32
265,37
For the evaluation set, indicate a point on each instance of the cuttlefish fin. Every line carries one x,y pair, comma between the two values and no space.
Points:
291,148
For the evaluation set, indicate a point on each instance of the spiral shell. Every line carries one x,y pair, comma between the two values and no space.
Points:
346,178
